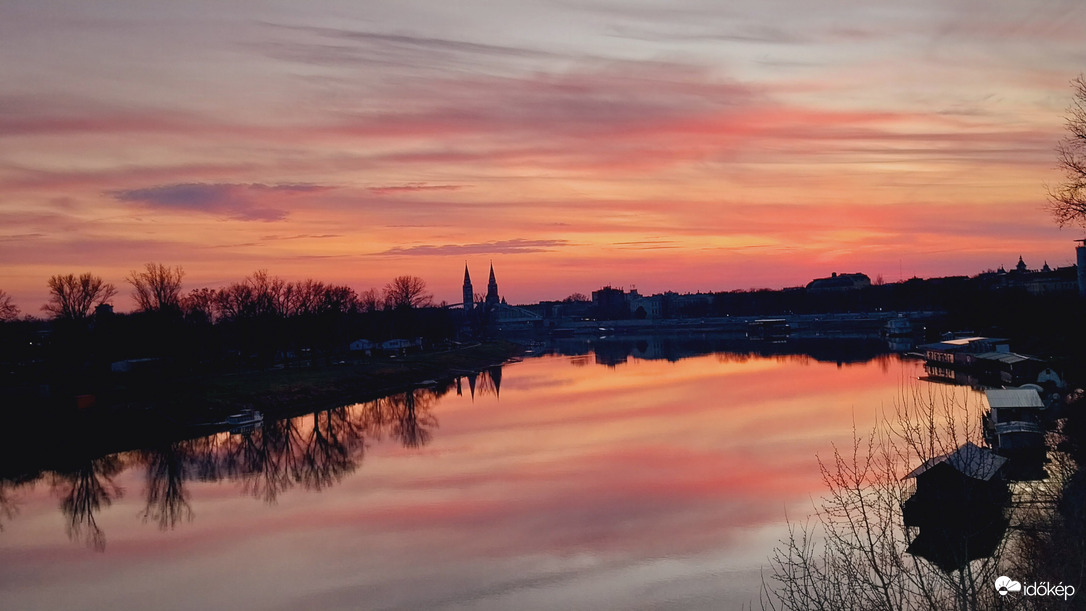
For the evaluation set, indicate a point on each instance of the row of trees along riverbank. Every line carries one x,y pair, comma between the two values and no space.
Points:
256,323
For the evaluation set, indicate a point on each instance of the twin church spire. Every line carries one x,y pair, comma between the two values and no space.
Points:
491,290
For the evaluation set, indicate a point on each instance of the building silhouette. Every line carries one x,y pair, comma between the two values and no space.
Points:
492,298
493,314
469,296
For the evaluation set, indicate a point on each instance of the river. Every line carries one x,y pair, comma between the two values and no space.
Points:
615,476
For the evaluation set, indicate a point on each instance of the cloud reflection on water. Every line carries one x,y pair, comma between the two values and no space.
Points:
582,491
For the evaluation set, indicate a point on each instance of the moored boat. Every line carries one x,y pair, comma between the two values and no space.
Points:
245,417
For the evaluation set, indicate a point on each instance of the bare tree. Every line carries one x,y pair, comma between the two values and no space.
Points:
304,298
8,309
338,298
407,292
258,296
369,300
854,554
157,288
1067,201
71,297
200,304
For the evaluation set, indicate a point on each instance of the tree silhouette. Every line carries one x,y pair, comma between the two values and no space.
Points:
407,292
8,309
157,288
1067,201
71,297
201,305
854,555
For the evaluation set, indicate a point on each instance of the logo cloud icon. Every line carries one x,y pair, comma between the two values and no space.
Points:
1005,584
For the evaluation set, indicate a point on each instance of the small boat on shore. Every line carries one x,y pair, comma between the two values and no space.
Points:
246,417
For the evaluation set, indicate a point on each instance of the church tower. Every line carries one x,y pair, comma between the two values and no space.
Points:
492,288
469,296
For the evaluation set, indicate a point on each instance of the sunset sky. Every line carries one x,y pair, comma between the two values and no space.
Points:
684,145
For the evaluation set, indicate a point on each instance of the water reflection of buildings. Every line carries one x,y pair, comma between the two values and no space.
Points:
1017,418
485,382
314,451
615,350
962,498
980,361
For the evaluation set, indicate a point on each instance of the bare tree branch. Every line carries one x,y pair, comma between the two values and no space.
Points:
1067,201
72,297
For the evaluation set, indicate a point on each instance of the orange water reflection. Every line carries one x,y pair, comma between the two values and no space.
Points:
545,484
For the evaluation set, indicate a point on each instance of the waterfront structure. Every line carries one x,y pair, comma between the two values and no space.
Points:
954,351
1005,368
1015,418
980,360
957,507
1015,427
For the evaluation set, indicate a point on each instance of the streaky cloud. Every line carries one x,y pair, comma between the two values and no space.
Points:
410,188
301,236
19,237
388,48
237,201
516,246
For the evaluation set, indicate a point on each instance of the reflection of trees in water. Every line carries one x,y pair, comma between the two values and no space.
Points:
167,470
8,506
267,460
316,451
413,418
330,450
319,449
83,492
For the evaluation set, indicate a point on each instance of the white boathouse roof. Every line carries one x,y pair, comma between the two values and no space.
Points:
1009,398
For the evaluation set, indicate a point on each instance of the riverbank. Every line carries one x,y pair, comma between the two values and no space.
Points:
288,391
144,412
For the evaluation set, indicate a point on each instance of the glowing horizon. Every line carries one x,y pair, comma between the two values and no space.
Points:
691,147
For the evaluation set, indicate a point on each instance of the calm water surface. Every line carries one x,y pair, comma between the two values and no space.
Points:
557,482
